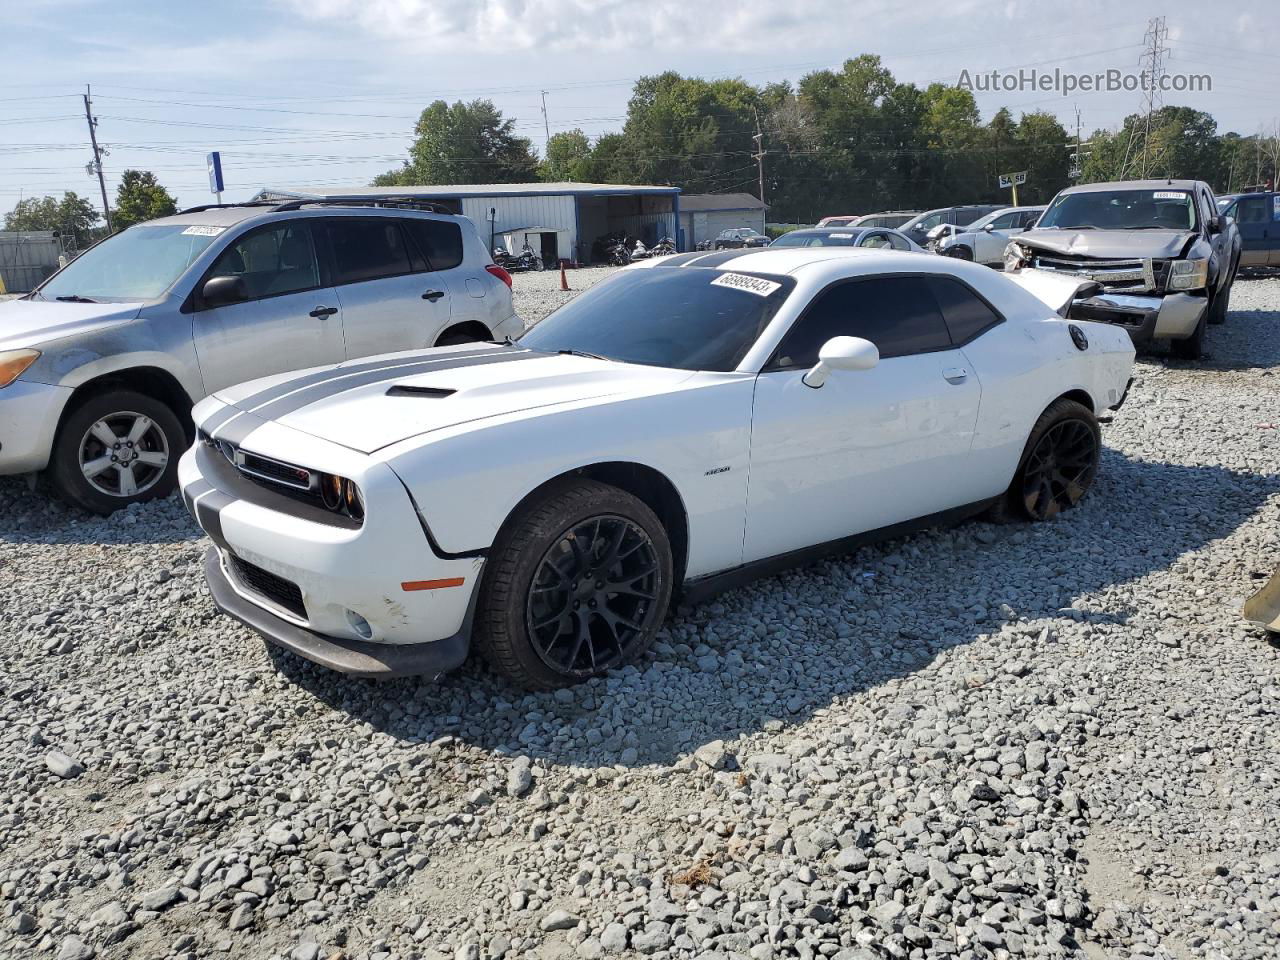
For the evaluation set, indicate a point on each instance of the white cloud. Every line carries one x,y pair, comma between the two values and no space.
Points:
498,26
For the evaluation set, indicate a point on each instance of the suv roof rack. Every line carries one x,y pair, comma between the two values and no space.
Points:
400,203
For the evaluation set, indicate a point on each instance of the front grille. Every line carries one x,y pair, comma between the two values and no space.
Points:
1129,276
264,468
279,591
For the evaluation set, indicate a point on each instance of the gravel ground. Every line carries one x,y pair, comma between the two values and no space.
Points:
986,742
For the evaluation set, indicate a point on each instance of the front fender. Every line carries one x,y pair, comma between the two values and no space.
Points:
468,480
76,361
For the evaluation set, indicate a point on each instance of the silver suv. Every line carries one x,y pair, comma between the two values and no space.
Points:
101,364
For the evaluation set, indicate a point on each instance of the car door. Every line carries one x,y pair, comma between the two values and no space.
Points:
1253,215
869,448
290,319
390,302
990,244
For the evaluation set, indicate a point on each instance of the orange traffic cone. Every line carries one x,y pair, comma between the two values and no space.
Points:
564,281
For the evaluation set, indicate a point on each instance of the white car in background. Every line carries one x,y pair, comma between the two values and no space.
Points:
685,425
984,240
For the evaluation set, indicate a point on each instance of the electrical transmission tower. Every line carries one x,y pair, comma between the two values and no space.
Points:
1139,163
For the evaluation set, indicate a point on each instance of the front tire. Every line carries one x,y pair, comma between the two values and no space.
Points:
1192,347
959,252
1222,300
1058,465
117,448
577,584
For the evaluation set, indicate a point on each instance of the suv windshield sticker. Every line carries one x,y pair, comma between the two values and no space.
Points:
740,281
1169,195
203,231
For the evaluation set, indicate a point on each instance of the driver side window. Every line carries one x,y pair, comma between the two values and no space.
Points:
898,314
273,260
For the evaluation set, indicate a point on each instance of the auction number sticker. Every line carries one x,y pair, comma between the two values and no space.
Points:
1169,195
842,236
203,231
740,281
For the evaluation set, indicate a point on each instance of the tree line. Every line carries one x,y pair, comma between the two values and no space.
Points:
852,140
138,197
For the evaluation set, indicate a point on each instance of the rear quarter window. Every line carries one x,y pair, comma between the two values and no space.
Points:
439,241
966,314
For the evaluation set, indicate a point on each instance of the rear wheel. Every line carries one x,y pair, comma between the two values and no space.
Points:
117,448
1058,466
456,335
577,585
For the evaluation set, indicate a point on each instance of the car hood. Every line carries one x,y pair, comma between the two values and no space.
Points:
369,404
28,323
1108,244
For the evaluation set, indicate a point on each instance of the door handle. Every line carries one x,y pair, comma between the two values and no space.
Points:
955,374
323,312
433,295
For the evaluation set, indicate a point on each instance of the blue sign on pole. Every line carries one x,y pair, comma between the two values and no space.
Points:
215,172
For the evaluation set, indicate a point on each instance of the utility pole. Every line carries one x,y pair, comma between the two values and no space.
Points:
97,153
1078,168
546,126
759,154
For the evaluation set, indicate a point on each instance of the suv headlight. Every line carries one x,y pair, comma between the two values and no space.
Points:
14,363
1188,274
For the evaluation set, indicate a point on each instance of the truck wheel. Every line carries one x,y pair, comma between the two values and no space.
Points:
577,584
1222,299
1058,465
1192,347
117,448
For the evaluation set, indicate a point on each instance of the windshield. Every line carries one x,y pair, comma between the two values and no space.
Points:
816,238
745,232
1122,210
140,263
687,319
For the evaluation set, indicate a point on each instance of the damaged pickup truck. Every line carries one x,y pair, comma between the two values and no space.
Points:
1162,258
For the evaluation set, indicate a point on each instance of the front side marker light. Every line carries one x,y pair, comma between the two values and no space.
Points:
14,363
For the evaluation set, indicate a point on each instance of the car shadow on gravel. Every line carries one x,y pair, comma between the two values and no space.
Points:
36,516
726,668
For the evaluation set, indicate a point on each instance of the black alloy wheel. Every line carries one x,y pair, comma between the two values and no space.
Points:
592,599
1059,469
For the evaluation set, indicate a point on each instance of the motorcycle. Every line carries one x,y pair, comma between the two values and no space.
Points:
527,260
618,254
663,248
640,252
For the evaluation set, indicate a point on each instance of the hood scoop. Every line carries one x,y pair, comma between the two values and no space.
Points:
408,390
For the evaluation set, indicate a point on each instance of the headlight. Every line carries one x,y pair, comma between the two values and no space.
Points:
1188,274
341,496
13,363
1014,255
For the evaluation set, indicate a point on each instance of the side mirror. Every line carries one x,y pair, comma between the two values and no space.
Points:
221,291
842,353
989,227
1215,224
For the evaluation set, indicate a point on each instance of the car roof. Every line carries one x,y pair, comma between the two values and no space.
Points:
797,260
1132,185
231,214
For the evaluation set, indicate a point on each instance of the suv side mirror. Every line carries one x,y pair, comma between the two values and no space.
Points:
222,291
842,353
989,227
1215,224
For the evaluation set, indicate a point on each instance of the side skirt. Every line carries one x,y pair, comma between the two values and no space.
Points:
704,588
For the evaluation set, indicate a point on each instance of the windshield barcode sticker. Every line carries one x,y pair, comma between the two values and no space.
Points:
1169,195
203,231
740,281
842,236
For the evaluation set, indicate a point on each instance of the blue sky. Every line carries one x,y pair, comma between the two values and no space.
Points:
297,92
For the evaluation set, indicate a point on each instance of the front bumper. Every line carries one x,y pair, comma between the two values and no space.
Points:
360,658
1174,316
372,599
29,414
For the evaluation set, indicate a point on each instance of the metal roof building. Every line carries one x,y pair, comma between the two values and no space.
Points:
559,220
704,215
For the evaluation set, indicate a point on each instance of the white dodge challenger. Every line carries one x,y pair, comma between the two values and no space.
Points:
687,424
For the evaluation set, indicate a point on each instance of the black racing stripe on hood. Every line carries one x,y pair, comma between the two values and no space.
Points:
332,388
333,373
